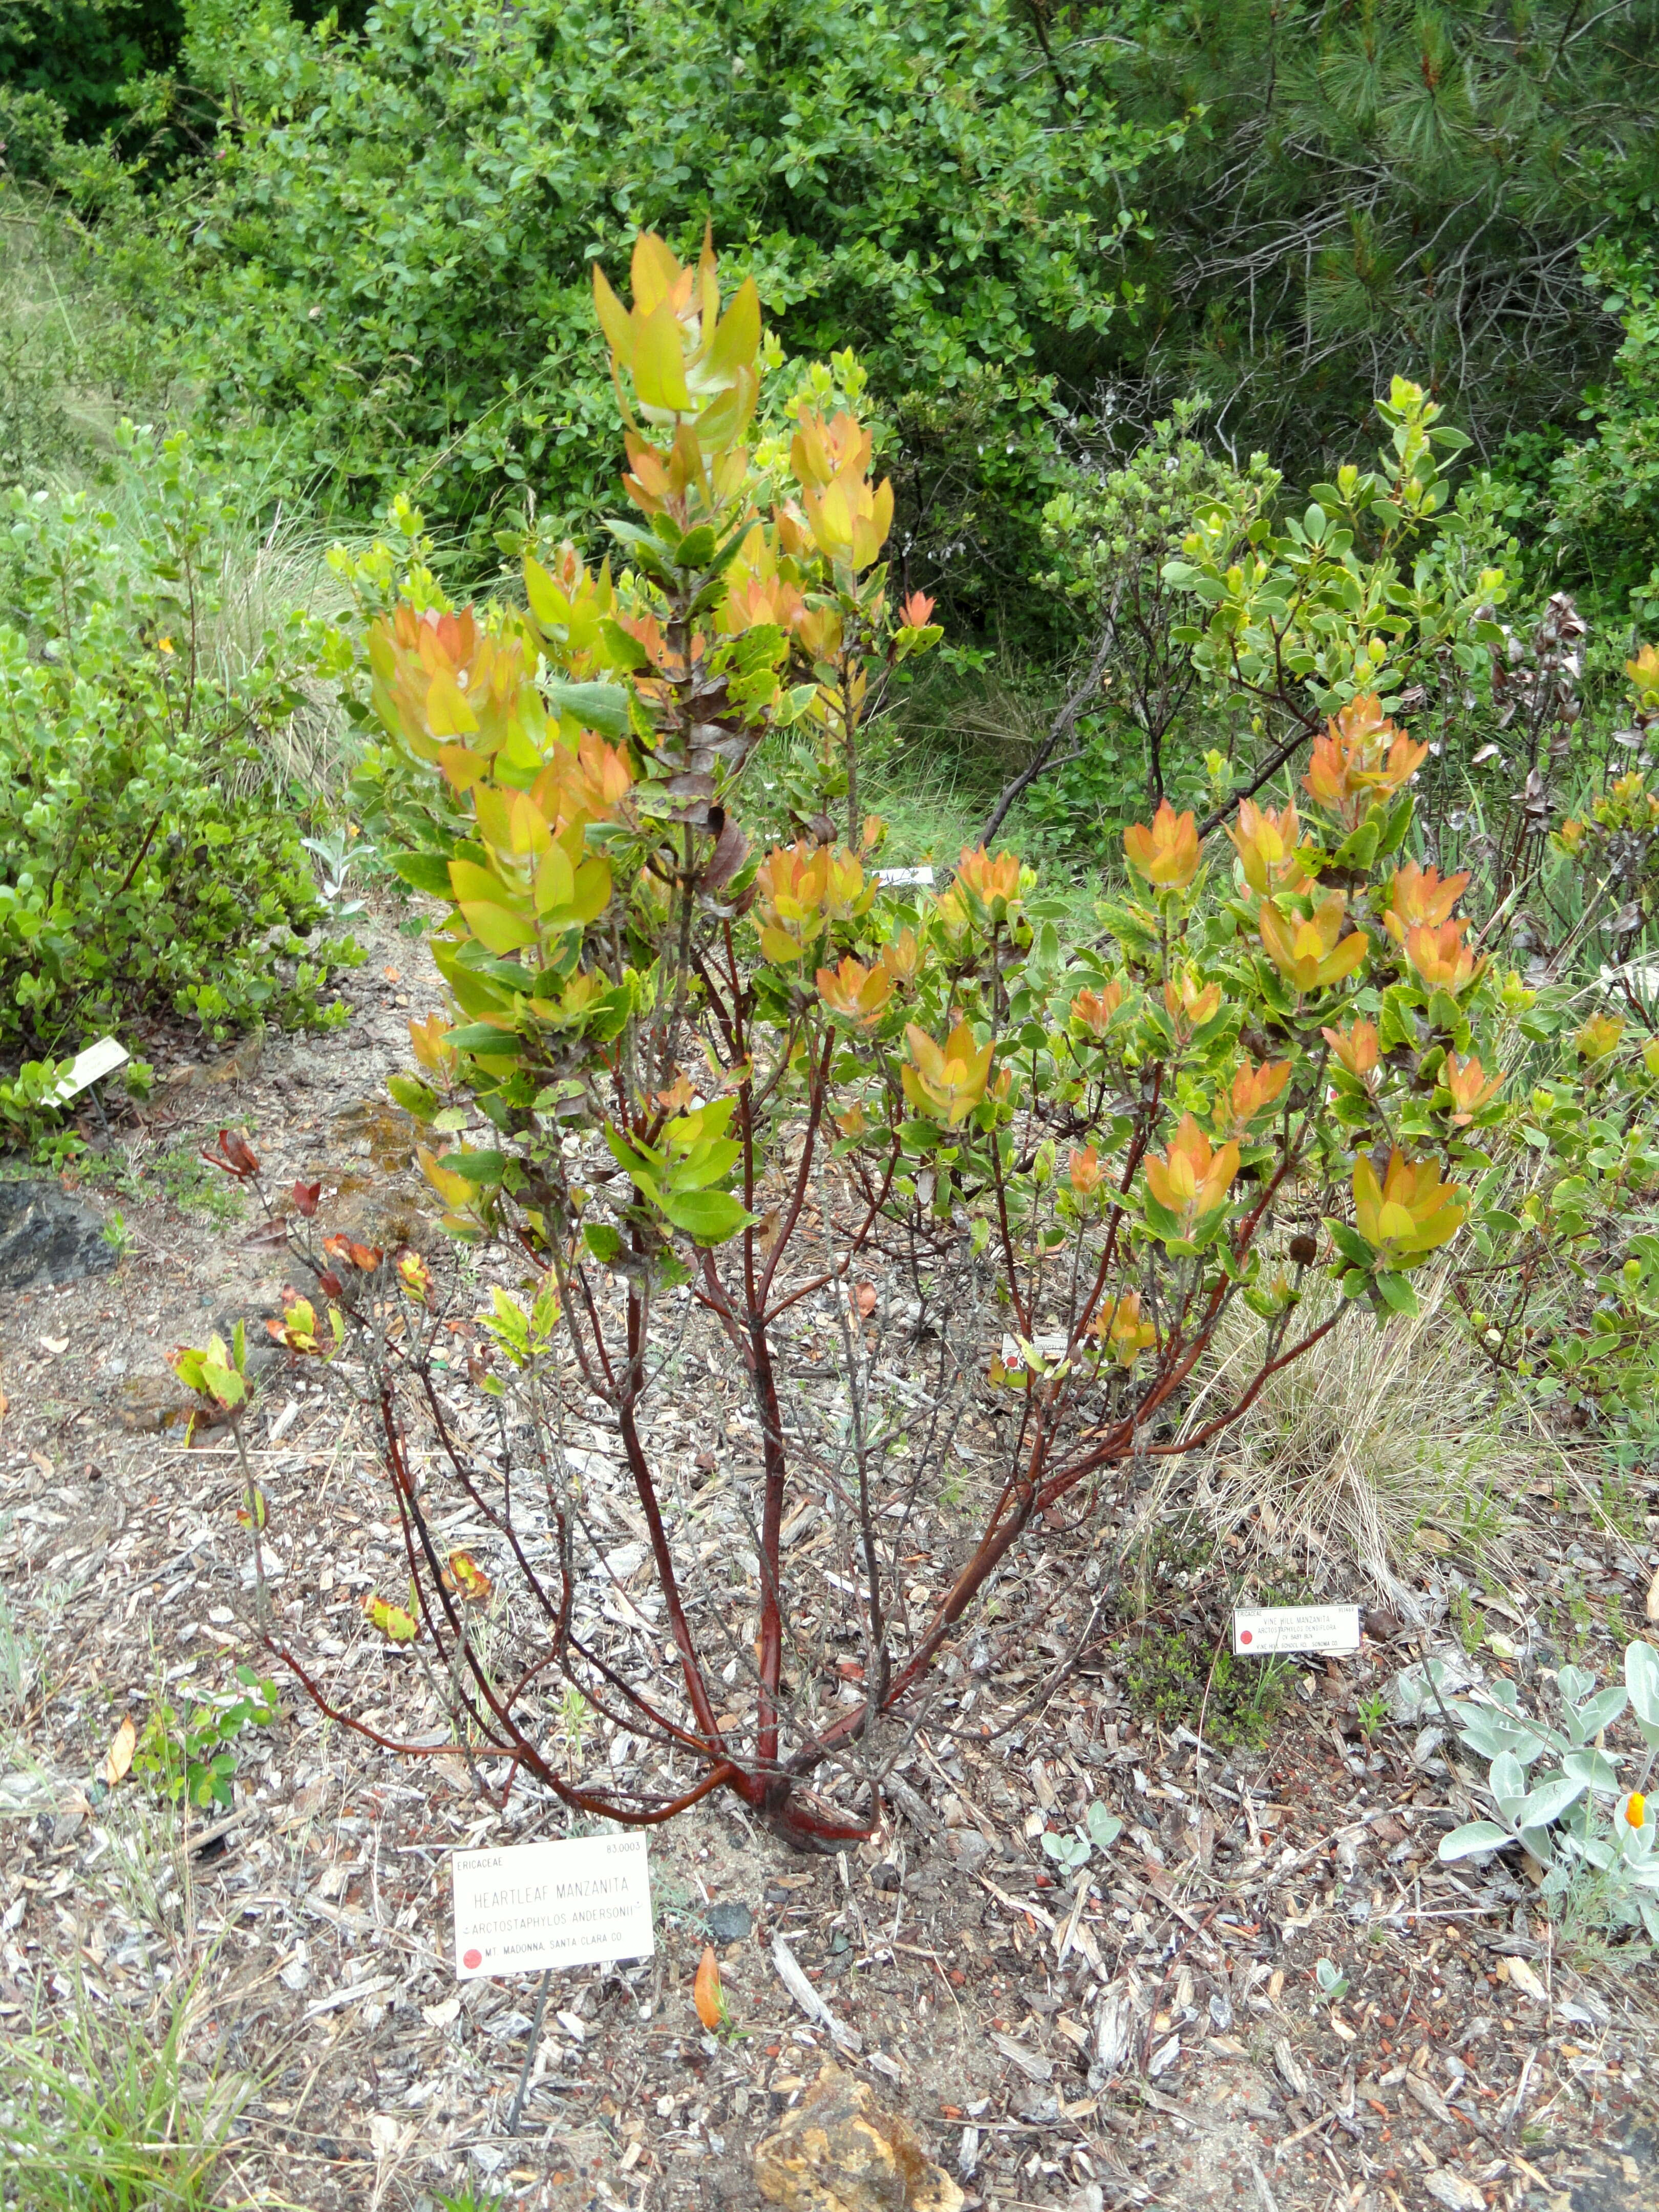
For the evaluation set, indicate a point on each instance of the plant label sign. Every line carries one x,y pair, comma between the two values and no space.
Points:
574,1903
1258,1630
88,1066
903,879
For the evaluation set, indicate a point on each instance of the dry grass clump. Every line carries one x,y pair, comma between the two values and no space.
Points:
1377,1437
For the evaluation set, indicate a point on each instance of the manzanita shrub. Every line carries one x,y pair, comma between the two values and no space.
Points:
924,1174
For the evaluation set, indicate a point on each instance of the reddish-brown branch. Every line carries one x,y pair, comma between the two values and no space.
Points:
696,1689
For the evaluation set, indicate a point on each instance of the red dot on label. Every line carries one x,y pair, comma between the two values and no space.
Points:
471,1958
1246,1635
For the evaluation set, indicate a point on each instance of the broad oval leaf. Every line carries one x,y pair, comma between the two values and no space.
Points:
1549,1801
1104,1827
1475,1836
1507,1782
1642,1680
1594,1769
708,1217
1602,1710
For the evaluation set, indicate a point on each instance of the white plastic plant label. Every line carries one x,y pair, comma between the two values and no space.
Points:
1258,1630
903,879
88,1066
568,1904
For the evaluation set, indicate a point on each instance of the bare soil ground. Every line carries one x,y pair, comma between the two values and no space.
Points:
1157,2038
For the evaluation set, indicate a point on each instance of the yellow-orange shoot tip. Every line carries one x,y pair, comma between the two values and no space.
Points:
1165,851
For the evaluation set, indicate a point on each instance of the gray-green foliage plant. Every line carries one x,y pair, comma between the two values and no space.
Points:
1578,1819
1071,1849
1329,1980
149,857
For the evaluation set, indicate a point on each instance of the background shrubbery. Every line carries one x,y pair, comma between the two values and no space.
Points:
150,807
366,234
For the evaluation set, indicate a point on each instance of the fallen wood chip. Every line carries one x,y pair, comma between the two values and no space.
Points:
1285,2058
1031,2064
794,1980
1522,1977
336,1998
1160,2103
1017,1905
1452,2191
1429,2097
912,1804
240,1818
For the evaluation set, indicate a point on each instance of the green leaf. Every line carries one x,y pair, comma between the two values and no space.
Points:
414,1096
424,872
481,1037
600,706
483,1168
1104,1827
705,1165
625,651
1642,1680
1397,1293
1350,1244
1475,1836
708,1217
603,1240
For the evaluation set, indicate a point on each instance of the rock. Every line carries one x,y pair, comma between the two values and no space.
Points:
48,1237
236,1066
840,2151
150,1403
970,1850
729,1922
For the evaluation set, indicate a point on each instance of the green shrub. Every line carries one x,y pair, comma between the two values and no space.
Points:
1111,541
31,135
190,1757
1562,1288
385,271
81,56
1378,186
1599,524
1562,1283
149,861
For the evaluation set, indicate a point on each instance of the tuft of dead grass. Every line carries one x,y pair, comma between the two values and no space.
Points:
1381,1441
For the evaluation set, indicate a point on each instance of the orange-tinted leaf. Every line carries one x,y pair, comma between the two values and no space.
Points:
464,1578
119,1757
394,1622
706,1993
